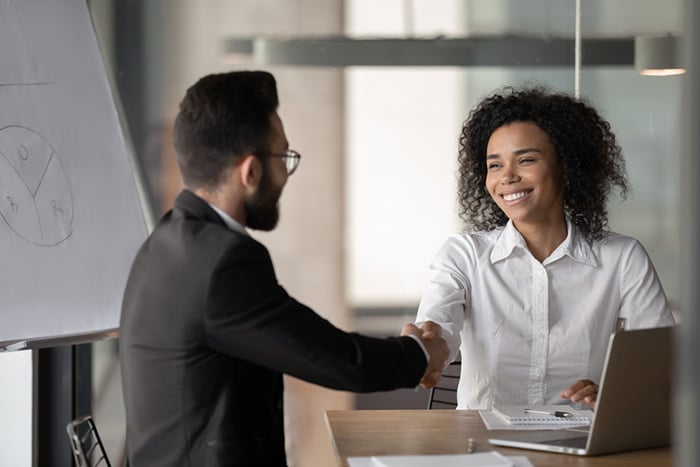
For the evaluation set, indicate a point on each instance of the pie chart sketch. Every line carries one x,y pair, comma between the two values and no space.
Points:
36,201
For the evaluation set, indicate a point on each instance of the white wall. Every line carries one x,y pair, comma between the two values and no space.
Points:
402,127
16,409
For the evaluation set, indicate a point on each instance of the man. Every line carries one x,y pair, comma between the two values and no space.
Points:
206,330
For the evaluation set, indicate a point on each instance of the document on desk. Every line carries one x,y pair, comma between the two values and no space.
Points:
482,459
493,421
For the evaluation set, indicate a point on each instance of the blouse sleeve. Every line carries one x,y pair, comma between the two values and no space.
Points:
643,301
446,297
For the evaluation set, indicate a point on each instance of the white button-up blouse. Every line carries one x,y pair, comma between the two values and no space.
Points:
527,330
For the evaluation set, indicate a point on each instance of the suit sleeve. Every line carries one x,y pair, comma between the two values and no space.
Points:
251,317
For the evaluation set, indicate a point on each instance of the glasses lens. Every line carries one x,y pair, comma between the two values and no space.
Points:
291,160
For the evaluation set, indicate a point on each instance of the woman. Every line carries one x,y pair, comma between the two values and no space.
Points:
532,294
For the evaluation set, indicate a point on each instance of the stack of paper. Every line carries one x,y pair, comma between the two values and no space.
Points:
515,417
542,414
483,459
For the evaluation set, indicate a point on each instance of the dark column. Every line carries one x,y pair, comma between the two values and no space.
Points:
131,21
63,378
687,406
129,67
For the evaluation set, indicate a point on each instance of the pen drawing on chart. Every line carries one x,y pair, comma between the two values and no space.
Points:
35,196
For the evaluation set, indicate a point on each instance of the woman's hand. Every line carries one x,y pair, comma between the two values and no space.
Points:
583,390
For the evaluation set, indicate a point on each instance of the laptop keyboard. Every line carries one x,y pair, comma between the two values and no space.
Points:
579,442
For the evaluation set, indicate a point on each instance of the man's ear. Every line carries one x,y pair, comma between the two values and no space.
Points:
250,172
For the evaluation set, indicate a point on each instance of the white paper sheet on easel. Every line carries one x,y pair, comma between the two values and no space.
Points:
482,459
71,217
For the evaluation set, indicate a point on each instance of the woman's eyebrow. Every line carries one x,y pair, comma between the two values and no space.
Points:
525,151
517,152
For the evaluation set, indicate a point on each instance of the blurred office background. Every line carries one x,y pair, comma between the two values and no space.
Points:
374,197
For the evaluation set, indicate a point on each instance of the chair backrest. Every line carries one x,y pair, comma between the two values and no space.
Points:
87,447
444,394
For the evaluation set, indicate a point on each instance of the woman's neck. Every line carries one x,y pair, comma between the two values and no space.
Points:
542,240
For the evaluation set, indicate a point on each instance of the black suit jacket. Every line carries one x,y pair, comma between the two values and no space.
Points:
206,334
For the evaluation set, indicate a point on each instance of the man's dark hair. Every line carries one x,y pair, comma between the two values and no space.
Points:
591,161
222,117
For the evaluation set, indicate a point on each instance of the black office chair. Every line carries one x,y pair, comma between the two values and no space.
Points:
444,395
87,447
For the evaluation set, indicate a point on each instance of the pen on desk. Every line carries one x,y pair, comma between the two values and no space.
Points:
556,413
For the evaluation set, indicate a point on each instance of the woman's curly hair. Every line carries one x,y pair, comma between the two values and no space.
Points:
591,161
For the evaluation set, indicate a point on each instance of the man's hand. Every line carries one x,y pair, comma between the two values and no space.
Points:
430,328
431,336
583,390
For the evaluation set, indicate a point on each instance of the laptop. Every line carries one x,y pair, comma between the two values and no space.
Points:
633,409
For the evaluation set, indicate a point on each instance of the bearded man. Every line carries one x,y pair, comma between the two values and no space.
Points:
206,330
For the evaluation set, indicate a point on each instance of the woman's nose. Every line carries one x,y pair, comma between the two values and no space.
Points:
508,176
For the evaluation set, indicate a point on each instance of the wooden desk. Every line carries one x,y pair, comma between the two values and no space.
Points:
397,432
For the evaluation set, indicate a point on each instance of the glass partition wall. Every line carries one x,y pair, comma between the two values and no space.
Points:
375,196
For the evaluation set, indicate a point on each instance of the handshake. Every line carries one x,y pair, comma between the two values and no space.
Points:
430,335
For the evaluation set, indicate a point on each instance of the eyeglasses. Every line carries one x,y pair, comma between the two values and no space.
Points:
291,159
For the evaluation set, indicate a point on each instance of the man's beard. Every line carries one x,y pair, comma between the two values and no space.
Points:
261,208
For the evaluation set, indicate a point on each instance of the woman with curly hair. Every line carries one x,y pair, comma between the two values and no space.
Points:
530,296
